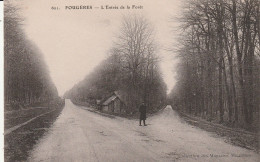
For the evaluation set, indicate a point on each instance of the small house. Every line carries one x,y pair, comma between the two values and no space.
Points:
114,104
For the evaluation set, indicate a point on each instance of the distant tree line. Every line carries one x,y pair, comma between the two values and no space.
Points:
131,68
26,76
218,73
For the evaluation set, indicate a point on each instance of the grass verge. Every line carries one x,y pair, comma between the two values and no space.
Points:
235,136
20,142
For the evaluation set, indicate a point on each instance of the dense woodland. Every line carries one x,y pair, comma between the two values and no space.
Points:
218,73
131,68
26,76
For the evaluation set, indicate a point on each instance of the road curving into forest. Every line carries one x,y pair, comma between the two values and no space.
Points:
82,135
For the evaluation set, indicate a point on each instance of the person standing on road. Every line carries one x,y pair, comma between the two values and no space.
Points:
142,110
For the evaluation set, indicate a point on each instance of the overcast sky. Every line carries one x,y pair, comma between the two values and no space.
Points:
75,41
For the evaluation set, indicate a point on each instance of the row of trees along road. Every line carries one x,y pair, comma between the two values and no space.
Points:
26,76
218,73
131,68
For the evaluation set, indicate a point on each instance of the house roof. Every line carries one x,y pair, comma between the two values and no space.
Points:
116,94
110,99
119,94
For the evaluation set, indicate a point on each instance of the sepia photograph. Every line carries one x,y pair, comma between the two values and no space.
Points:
131,80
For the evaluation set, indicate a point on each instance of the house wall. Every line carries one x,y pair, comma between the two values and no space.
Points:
111,106
105,108
117,105
122,108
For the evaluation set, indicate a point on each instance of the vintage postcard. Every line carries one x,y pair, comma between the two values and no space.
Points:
131,80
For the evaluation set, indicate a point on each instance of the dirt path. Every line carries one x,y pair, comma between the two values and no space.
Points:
81,135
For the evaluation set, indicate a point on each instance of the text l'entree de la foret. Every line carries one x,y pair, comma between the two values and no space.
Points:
101,7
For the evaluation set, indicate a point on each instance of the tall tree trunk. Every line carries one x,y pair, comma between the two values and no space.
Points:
220,99
220,17
239,60
229,96
233,89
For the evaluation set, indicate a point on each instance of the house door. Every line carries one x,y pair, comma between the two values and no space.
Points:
113,106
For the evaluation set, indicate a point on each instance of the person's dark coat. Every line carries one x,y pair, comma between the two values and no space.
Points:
142,110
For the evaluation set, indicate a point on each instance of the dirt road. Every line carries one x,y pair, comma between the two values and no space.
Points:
81,135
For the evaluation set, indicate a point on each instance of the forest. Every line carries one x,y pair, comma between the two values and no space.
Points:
219,60
26,76
131,68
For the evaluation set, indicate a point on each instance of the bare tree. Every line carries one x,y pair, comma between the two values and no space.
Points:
131,68
220,52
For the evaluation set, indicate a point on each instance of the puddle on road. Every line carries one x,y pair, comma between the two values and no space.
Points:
157,140
70,120
102,133
146,140
141,133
